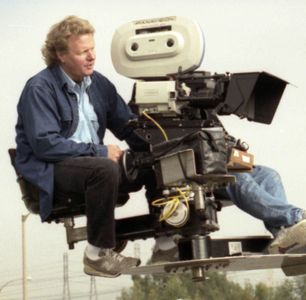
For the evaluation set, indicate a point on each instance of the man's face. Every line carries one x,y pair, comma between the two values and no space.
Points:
79,60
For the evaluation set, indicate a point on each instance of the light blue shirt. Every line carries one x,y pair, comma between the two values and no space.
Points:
88,125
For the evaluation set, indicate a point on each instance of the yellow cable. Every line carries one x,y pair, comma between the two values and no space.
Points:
163,202
164,217
183,194
175,200
157,125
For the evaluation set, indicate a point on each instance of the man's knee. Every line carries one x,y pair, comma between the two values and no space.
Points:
107,169
268,172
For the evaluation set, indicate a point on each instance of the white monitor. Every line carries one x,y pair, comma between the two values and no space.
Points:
157,47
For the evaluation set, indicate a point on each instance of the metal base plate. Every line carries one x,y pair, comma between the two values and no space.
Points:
291,264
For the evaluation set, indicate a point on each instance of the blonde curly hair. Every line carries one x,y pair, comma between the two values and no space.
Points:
57,38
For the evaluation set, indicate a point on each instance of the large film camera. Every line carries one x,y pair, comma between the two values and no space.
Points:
174,100
178,108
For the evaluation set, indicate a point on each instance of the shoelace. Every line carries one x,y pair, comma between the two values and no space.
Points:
111,253
116,255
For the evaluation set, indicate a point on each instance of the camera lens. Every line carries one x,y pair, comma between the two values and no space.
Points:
170,42
134,47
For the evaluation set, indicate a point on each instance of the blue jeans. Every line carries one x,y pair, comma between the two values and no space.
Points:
261,194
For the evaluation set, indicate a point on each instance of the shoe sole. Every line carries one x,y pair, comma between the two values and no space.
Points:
90,271
293,245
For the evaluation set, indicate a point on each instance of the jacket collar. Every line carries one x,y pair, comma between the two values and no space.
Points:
58,75
61,79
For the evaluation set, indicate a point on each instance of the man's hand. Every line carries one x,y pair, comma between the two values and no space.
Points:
114,152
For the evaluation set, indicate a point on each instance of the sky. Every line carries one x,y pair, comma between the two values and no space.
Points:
240,36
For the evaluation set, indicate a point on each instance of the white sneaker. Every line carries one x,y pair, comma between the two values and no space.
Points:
165,250
162,256
110,264
290,240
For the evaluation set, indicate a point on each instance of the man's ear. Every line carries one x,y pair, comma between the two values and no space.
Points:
61,56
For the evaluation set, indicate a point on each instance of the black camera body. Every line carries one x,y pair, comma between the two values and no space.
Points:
199,99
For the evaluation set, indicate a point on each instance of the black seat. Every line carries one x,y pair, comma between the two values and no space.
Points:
63,207
30,194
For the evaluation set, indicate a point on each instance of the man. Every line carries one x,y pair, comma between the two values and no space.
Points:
63,113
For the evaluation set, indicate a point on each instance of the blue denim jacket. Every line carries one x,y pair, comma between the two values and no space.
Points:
48,115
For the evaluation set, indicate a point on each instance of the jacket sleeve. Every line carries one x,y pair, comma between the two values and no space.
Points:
118,117
42,127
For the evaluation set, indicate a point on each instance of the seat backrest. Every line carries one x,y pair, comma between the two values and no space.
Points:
63,207
30,194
